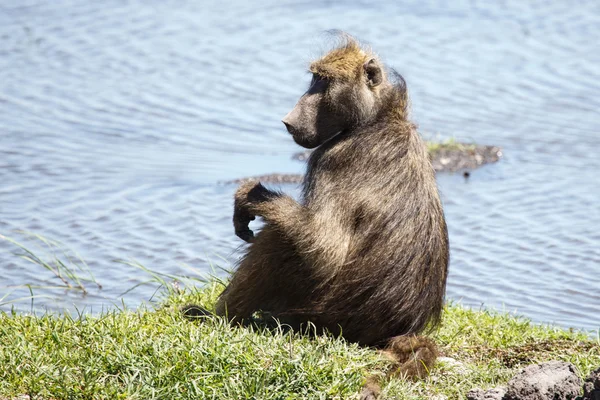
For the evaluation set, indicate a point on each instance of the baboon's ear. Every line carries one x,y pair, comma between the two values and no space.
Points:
373,72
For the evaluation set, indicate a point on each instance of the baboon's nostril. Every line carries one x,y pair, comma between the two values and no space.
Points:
287,126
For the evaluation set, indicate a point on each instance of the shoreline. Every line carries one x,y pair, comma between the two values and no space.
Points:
155,351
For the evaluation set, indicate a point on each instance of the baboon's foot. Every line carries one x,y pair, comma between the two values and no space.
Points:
195,312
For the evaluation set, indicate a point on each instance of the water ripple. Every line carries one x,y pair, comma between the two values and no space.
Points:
118,119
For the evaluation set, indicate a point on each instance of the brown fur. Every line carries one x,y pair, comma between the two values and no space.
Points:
364,253
413,358
345,62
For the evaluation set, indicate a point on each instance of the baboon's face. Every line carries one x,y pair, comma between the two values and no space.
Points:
334,103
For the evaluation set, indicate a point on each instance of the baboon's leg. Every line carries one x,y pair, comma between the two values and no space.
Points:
243,295
268,279
227,307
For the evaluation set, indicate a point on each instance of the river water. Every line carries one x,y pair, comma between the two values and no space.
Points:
119,119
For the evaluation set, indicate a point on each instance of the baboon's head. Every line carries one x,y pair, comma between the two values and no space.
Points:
344,92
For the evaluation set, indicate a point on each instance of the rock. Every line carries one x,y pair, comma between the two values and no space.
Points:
546,381
591,386
594,395
448,158
490,394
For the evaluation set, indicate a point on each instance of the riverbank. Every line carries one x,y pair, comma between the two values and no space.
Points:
446,156
154,352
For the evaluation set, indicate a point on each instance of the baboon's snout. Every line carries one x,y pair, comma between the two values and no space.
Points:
291,121
287,125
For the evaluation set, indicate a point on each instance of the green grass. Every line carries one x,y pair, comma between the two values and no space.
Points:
69,270
451,144
153,352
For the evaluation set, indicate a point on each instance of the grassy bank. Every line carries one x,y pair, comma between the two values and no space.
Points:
155,353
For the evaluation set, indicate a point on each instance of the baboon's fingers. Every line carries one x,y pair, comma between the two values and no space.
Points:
241,219
246,235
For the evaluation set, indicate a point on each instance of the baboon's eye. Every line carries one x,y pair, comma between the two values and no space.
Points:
318,83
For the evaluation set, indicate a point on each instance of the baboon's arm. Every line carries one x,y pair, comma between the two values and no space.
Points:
323,239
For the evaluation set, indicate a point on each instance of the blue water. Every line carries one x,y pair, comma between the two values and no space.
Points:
119,119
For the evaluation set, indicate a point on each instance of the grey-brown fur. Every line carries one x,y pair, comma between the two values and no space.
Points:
364,252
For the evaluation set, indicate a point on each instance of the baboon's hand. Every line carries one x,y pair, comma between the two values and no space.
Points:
241,219
247,195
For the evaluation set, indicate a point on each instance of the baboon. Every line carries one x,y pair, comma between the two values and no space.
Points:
364,253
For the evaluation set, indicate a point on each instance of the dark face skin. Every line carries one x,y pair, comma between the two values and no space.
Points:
333,106
313,120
